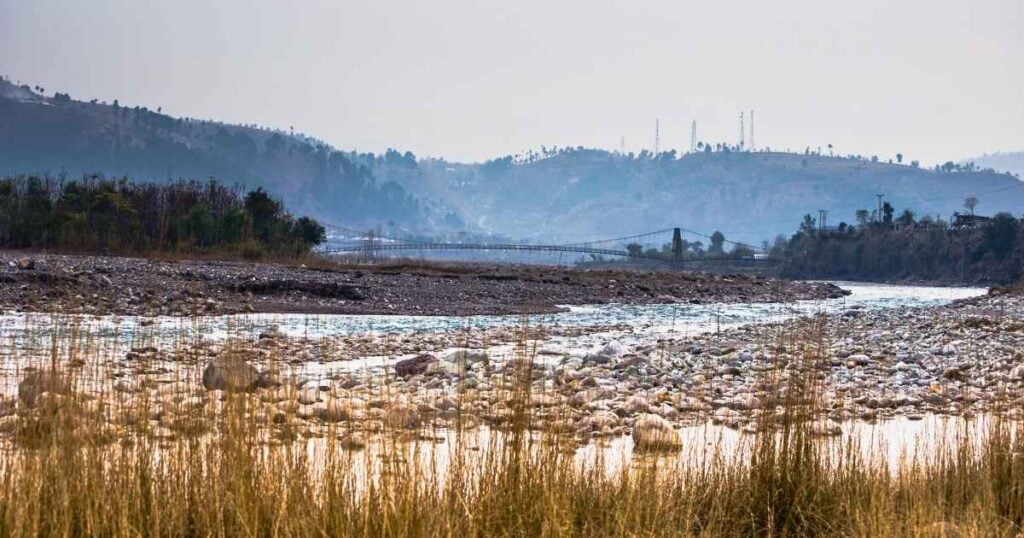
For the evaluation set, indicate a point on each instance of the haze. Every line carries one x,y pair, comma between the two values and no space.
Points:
935,80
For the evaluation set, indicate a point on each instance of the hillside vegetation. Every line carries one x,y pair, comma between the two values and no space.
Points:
903,248
60,135
567,194
101,215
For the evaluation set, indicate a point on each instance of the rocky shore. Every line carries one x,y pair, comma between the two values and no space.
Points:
135,286
960,359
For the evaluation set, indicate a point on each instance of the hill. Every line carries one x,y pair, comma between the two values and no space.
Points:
566,194
59,135
751,196
1011,162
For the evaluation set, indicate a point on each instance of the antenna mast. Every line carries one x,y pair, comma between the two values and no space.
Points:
657,138
741,130
693,136
752,146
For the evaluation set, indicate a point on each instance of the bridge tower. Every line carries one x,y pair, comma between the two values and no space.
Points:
677,245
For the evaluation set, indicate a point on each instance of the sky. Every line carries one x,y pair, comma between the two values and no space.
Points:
468,80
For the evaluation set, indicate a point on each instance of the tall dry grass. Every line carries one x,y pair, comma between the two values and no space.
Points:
66,471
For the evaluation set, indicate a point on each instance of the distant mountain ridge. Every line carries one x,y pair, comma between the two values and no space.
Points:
569,194
1011,162
59,135
751,196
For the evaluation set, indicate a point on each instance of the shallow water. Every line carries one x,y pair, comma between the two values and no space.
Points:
24,336
655,318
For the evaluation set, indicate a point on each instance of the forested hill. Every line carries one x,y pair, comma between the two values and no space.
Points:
580,193
54,135
555,195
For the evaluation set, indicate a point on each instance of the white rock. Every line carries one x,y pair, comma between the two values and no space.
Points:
651,432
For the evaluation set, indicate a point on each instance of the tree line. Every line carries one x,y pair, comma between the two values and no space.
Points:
97,214
887,247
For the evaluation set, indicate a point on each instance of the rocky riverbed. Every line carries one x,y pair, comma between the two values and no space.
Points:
962,359
135,286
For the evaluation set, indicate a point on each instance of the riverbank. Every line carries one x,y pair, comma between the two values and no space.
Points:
136,286
677,400
870,363
615,429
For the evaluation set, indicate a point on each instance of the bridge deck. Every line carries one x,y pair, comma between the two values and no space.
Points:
378,247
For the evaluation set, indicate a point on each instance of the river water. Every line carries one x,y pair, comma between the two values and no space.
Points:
655,318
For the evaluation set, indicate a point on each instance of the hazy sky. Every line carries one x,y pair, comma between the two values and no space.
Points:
934,79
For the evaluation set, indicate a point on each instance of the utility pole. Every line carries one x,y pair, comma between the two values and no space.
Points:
677,245
822,220
878,215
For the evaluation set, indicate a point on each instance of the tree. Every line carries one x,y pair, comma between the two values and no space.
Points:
309,233
264,211
717,243
999,236
863,216
808,225
899,158
634,249
970,203
887,211
907,218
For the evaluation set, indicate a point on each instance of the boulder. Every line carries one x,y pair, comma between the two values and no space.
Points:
352,441
653,433
340,409
584,397
637,404
231,374
308,395
954,373
858,359
466,357
417,365
37,383
825,428
613,349
26,264
403,416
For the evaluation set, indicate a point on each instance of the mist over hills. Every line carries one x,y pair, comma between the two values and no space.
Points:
751,196
567,194
1012,162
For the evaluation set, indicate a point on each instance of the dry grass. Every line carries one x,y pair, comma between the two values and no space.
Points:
222,471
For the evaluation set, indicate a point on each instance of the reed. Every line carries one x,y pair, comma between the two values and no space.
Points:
227,464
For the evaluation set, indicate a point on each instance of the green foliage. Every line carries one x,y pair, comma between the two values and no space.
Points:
99,214
907,249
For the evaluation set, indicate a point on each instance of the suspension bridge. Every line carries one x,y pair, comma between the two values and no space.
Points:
373,245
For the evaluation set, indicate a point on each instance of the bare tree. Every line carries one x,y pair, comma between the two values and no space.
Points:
970,203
